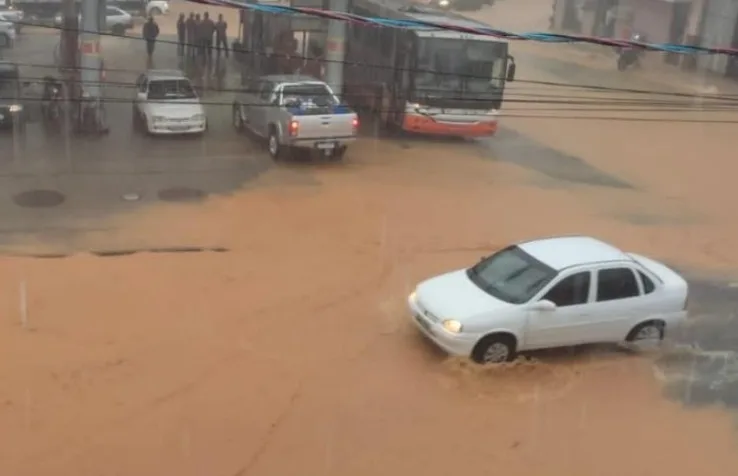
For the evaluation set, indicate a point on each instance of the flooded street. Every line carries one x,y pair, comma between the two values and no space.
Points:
264,331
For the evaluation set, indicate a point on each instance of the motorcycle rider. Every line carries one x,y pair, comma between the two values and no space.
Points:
51,97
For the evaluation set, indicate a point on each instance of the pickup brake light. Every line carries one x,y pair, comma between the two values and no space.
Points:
294,127
355,123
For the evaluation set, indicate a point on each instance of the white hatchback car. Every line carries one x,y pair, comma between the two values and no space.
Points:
166,103
552,292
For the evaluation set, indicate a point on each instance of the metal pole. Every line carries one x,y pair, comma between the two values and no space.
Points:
335,48
91,65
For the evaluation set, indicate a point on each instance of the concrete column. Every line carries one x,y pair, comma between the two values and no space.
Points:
91,117
335,48
90,55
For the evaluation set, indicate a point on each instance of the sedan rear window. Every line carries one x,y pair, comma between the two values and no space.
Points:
511,275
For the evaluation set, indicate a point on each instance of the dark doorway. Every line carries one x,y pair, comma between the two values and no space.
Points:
679,17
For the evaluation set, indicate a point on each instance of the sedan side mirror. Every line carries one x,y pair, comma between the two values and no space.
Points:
544,305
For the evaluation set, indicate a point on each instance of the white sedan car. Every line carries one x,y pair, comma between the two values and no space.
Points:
166,103
552,292
117,21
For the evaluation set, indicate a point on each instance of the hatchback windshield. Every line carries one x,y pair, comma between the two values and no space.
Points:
171,89
511,275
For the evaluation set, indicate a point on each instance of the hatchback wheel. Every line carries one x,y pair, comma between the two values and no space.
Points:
494,349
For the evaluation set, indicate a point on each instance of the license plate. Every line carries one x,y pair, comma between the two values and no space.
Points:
178,128
457,112
326,145
423,323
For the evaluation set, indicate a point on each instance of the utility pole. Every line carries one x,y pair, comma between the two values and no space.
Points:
335,48
68,48
92,119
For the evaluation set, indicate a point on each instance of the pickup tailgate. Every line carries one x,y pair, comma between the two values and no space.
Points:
326,126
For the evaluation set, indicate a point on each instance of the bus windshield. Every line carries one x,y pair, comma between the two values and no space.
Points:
452,68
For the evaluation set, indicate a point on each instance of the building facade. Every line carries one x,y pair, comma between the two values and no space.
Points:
719,27
695,22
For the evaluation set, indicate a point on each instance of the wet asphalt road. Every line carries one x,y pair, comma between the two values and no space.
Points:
92,175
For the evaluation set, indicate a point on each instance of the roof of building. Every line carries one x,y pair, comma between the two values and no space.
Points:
564,251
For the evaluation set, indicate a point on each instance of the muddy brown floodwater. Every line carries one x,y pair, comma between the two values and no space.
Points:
291,353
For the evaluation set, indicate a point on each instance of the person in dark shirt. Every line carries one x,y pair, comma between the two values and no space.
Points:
181,34
207,28
191,30
221,37
150,33
197,38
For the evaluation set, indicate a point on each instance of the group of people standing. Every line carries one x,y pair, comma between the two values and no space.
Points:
195,35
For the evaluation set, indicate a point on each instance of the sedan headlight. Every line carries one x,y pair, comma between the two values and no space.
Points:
452,325
198,117
443,3
158,118
413,297
16,108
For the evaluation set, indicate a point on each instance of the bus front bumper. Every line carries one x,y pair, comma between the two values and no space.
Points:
452,126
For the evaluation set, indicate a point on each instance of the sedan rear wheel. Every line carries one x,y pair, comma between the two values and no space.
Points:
648,334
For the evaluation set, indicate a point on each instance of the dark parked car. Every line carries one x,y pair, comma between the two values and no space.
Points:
12,110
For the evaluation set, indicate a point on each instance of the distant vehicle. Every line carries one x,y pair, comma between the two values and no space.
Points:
631,56
295,112
14,16
116,20
7,34
460,5
552,292
39,10
12,111
166,103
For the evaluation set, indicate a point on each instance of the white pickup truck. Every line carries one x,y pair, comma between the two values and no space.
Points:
295,112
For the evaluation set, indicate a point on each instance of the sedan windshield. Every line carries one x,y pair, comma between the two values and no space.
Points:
171,89
511,275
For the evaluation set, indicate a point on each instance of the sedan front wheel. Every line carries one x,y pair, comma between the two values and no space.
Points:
494,349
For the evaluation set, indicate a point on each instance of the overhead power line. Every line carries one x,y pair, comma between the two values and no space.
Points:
502,114
586,87
544,37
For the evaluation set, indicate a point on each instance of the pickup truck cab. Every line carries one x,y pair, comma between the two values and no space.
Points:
295,112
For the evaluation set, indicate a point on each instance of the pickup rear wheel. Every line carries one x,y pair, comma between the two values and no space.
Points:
494,349
275,148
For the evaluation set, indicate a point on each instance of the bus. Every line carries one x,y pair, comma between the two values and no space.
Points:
423,80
